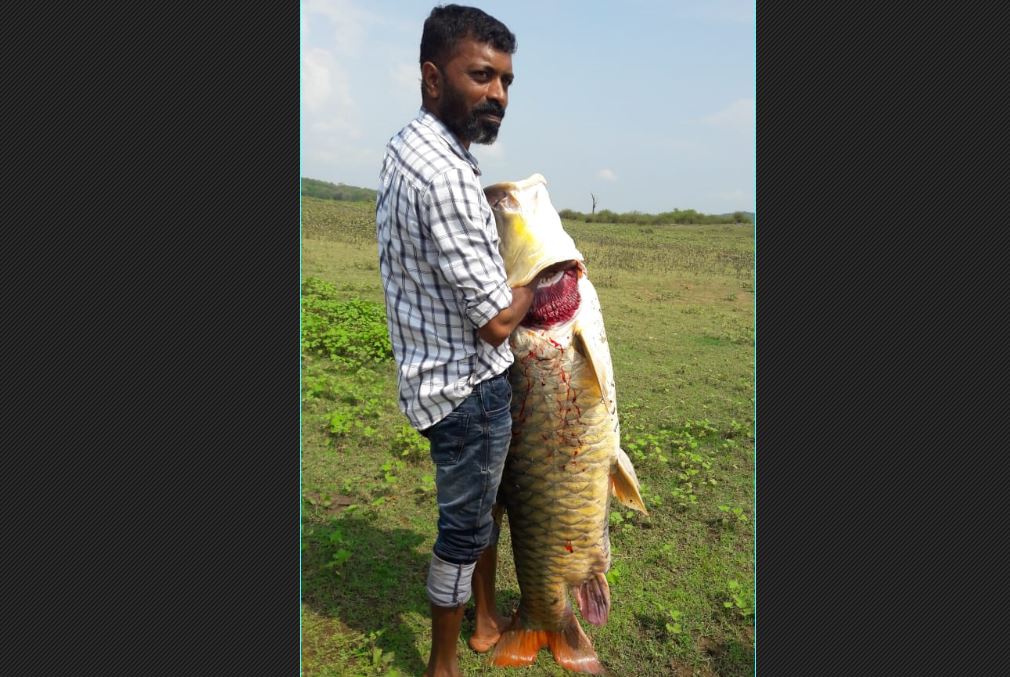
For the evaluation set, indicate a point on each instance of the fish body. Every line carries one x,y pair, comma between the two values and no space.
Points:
565,458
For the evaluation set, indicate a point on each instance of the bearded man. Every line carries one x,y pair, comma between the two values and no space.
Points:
449,309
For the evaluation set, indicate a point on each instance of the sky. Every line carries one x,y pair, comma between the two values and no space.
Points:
649,105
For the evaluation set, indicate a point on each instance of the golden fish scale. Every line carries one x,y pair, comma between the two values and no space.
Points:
556,479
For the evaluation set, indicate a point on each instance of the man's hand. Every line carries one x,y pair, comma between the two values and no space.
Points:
501,325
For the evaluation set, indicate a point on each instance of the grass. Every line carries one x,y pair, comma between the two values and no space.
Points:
678,305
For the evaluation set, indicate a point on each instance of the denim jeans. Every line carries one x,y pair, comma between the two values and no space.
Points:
468,448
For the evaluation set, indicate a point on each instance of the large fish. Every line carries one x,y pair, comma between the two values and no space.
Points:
565,459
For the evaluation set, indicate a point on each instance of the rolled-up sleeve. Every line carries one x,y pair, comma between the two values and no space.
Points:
467,249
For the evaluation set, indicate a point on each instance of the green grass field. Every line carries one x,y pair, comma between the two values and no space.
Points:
679,310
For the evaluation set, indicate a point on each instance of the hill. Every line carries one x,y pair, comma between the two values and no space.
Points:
336,191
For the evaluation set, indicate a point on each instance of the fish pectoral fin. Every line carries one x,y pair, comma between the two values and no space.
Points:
624,483
573,650
596,365
593,597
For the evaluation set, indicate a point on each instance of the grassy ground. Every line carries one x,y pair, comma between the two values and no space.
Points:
678,305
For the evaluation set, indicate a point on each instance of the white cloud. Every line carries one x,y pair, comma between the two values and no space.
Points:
317,82
347,23
334,125
406,79
326,96
337,153
738,116
607,175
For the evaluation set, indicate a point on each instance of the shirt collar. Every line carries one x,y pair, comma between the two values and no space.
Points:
426,118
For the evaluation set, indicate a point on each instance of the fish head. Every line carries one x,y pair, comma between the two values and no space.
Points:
531,237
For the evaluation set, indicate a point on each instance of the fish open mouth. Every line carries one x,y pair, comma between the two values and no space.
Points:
557,296
552,280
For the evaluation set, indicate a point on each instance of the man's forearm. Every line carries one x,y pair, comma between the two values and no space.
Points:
498,329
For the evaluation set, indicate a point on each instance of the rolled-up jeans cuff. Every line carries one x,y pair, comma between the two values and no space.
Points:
448,583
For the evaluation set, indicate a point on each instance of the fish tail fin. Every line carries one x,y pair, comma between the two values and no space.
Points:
593,596
573,651
624,483
517,646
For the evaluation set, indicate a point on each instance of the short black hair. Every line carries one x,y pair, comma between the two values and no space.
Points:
447,25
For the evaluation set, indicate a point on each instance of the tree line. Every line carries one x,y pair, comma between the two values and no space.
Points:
336,191
339,191
677,216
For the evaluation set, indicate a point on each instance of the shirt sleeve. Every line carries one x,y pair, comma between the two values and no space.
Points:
468,252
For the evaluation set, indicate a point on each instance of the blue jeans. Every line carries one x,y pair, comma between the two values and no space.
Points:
468,448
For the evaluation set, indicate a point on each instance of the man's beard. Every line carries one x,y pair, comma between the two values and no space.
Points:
468,125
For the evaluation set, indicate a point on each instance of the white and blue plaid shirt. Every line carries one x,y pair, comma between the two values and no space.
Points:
443,275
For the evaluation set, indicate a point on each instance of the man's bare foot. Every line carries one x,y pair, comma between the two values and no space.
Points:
428,673
487,631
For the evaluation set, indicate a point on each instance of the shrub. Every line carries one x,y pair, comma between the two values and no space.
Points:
349,332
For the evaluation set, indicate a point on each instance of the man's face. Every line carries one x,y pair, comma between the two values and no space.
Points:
474,91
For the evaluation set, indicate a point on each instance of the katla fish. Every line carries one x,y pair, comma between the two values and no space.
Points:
565,458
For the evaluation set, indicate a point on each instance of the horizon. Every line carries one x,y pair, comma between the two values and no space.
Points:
340,184
649,107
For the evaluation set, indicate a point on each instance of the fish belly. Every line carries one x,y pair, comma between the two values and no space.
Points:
555,483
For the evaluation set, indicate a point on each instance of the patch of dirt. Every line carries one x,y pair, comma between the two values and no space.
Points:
684,670
715,528
729,659
709,646
335,503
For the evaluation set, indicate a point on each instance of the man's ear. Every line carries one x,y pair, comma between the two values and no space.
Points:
431,79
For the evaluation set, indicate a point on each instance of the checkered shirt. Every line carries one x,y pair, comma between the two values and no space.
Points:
442,273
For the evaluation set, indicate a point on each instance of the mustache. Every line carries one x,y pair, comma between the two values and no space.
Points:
489,108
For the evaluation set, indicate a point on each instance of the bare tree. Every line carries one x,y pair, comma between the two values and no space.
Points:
594,203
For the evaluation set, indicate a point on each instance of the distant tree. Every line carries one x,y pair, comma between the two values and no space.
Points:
594,202
329,191
677,216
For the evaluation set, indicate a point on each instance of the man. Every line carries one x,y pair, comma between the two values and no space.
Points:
449,309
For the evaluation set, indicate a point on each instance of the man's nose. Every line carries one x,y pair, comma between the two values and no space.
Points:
497,93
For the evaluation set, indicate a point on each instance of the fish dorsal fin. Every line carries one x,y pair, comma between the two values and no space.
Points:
590,352
624,483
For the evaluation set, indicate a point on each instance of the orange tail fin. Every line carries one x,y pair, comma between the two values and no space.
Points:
571,648
518,646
